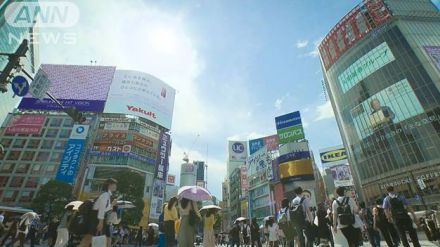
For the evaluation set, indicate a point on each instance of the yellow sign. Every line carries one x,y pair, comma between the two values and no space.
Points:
296,168
334,155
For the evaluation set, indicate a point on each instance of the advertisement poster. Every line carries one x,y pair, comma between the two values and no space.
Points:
270,142
333,156
72,154
434,51
259,162
143,95
297,170
386,108
289,127
25,124
237,150
157,199
171,179
342,175
79,86
243,180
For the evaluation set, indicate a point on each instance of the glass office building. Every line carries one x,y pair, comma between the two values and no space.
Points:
381,67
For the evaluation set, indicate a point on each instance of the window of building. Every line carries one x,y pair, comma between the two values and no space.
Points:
7,167
68,122
22,168
10,195
33,143
26,196
36,169
32,182
65,133
6,142
19,143
13,155
16,182
43,156
50,168
56,122
55,157
28,155
47,144
51,133
59,144
3,181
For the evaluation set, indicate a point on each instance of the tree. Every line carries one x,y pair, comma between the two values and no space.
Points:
131,188
52,197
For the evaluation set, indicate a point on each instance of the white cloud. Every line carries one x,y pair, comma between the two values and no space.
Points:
324,111
301,43
278,103
315,51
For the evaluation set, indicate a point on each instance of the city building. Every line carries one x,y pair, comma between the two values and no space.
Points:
42,143
188,173
200,167
12,36
382,71
234,194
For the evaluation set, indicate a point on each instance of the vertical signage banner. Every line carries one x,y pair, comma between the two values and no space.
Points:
72,154
289,127
162,157
157,198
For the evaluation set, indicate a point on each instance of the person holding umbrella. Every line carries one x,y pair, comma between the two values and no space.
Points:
170,216
189,212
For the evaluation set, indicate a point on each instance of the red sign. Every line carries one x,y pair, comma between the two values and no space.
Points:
25,124
279,195
352,28
171,179
271,142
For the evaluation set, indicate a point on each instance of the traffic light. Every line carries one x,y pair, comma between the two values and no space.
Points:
76,115
13,63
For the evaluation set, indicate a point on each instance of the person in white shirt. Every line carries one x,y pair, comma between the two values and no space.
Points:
303,229
349,232
102,205
273,229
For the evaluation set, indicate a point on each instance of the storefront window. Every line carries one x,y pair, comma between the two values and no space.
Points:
51,133
16,182
47,144
13,155
19,143
33,143
22,168
43,156
32,182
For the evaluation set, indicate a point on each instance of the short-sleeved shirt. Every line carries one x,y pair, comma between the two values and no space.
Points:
386,201
273,232
335,207
170,214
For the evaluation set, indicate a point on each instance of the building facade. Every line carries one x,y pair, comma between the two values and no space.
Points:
382,70
234,194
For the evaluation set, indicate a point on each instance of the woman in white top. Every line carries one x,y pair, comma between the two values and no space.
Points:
101,206
350,233
273,229
187,231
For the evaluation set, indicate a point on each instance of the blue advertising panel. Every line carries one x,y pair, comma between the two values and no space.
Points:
163,157
70,160
436,4
294,156
255,145
288,120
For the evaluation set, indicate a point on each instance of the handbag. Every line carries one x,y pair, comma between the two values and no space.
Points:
193,217
99,241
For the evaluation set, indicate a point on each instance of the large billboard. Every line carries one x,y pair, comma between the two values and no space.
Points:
342,175
297,170
270,142
83,87
289,127
237,150
163,157
434,52
386,108
333,156
25,124
259,162
72,154
352,28
143,95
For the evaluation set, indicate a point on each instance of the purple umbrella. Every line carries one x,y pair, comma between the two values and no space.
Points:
194,193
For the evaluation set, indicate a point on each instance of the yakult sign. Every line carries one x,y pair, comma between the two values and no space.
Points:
143,95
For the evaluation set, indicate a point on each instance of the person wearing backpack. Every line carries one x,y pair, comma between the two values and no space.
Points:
368,220
301,218
285,224
395,206
95,218
255,234
234,235
381,223
344,210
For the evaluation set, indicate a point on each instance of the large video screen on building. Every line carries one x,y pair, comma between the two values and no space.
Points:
389,106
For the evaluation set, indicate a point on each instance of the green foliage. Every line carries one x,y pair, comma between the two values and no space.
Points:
131,188
52,197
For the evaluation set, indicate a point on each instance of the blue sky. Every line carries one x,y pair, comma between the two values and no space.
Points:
235,65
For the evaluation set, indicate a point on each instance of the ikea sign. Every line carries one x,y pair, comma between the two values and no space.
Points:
333,156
